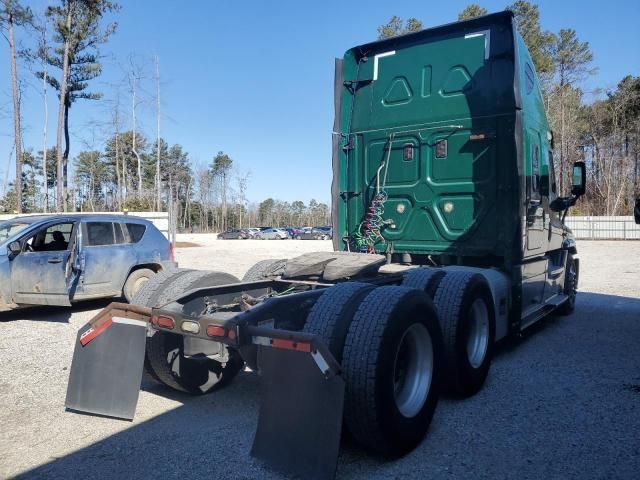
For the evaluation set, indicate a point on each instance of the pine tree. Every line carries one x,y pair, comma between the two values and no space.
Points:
13,14
78,34
221,168
395,26
539,43
472,11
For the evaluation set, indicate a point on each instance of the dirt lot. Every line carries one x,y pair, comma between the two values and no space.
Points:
562,402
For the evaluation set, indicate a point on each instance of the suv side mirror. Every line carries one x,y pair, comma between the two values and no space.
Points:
14,249
636,211
579,179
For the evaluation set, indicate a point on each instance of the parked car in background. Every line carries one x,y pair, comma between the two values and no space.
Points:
234,234
327,231
252,232
312,234
63,259
295,232
272,234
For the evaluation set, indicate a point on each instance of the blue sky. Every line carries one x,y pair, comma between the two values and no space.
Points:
255,78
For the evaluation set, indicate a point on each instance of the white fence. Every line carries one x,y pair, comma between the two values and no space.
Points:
159,219
586,228
604,228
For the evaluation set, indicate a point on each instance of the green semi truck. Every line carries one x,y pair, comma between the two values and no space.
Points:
448,236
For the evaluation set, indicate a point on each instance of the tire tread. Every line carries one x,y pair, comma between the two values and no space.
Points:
449,301
360,356
330,309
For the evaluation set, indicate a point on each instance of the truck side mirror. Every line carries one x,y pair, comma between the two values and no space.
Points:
579,179
14,249
636,211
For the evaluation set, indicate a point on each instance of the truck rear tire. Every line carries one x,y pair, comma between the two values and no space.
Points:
392,366
331,315
265,269
467,318
426,279
570,286
164,358
147,295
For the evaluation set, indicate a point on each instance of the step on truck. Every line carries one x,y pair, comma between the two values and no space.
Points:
449,236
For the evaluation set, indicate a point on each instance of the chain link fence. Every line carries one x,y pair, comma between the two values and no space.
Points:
604,228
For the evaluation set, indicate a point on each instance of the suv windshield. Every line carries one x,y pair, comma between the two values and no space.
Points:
8,229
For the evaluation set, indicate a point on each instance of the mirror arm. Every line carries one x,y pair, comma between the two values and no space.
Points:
570,202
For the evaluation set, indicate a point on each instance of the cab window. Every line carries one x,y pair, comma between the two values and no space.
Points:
136,232
552,174
54,238
535,164
99,233
9,229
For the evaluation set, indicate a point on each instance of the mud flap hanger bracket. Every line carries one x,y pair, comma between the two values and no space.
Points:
299,342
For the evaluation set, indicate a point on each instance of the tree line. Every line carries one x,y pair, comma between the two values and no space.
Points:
604,132
206,197
126,169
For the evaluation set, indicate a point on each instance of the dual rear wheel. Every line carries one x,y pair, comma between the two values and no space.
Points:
398,348
165,358
466,315
389,344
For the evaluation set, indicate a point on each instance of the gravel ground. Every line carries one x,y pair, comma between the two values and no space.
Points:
562,402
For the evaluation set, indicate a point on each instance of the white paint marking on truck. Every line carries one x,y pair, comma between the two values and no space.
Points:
487,40
321,362
129,321
375,61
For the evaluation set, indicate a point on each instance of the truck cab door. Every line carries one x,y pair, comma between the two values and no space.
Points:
41,273
554,227
536,218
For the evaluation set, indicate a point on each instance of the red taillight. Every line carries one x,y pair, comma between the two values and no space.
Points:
164,322
216,331
172,255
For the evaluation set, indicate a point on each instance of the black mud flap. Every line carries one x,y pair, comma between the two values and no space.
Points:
300,415
106,371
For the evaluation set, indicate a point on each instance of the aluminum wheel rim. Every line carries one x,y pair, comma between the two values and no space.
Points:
413,370
478,340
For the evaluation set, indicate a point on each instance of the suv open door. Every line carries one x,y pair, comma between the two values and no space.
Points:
43,272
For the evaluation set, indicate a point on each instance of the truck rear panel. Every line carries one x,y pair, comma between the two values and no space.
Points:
437,110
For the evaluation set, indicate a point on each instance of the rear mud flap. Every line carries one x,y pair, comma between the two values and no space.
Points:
300,415
106,371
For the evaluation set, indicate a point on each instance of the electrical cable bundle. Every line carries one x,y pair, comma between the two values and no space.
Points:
369,231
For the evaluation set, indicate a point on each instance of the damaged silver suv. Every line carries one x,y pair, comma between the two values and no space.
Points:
63,259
